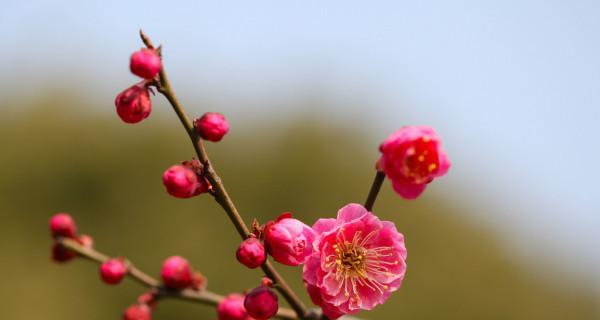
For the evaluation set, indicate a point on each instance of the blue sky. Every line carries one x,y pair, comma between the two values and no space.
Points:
512,86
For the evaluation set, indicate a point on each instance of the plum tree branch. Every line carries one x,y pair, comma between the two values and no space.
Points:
220,193
203,296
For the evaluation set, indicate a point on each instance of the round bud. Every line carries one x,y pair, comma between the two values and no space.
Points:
289,241
176,273
61,254
232,308
261,303
112,271
138,312
183,182
212,126
133,104
62,225
145,63
251,253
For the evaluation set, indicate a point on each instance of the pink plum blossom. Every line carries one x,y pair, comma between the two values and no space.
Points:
412,157
359,261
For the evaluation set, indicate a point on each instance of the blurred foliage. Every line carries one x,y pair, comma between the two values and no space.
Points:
61,155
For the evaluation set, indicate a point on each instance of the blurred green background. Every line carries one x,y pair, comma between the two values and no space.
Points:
61,155
310,88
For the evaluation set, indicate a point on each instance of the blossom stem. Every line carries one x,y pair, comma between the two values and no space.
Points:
203,297
220,193
375,187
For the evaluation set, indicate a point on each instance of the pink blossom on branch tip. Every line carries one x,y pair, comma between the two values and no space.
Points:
411,158
358,262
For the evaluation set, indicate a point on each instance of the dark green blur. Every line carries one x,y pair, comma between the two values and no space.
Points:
108,176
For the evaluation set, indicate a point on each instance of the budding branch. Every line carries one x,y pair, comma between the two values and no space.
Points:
199,296
222,197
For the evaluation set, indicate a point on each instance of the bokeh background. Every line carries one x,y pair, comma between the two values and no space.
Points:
310,88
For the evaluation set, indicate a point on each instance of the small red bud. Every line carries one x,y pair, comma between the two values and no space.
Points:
133,104
112,271
176,273
212,126
86,240
261,303
251,253
266,282
63,225
138,312
145,63
232,308
61,254
183,182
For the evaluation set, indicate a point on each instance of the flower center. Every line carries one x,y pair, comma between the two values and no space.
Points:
354,264
422,160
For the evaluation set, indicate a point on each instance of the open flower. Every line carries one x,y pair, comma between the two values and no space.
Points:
412,157
359,261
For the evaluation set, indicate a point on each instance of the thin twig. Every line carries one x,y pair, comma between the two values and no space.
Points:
375,187
220,193
203,296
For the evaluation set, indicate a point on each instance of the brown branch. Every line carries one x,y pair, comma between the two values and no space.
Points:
220,193
375,187
203,297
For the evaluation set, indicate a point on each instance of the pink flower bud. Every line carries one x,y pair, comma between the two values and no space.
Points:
289,241
61,254
251,253
412,157
145,63
176,273
138,312
112,271
62,225
261,303
133,104
183,182
212,126
232,308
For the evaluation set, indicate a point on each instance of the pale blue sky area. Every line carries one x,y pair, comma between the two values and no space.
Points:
513,87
